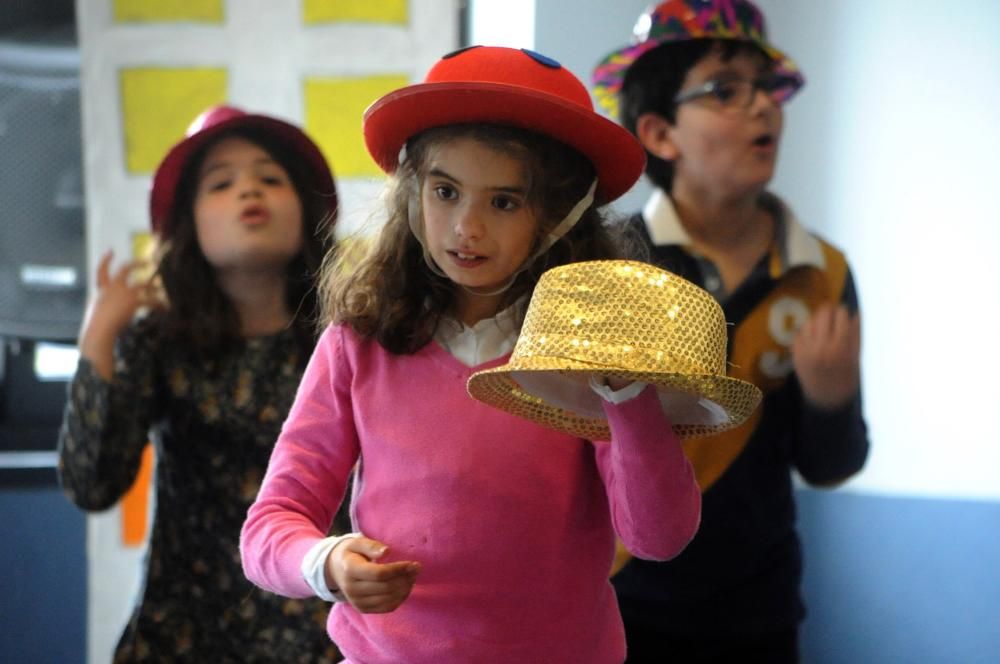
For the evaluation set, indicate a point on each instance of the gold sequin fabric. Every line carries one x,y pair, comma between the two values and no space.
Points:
624,319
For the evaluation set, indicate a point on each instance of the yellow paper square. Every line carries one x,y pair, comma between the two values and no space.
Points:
370,11
159,104
202,11
333,111
143,246
351,251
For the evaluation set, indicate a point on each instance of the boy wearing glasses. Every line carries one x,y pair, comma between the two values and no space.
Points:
703,91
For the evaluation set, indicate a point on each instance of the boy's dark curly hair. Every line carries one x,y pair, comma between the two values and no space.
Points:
652,82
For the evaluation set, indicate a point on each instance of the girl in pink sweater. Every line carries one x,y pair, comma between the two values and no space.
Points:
480,536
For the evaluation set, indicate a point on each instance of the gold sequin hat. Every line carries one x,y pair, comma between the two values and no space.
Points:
625,319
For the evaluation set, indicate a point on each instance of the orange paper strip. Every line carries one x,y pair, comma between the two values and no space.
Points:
135,503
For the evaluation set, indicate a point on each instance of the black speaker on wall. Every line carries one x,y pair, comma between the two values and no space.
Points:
42,250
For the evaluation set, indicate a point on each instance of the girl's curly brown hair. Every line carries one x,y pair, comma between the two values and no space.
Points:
394,297
200,315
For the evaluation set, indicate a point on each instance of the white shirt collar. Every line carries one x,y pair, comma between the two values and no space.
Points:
797,245
487,340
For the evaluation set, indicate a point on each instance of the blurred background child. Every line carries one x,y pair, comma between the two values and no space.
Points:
703,90
243,209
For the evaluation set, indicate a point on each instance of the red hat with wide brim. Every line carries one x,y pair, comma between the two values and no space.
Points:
209,125
506,86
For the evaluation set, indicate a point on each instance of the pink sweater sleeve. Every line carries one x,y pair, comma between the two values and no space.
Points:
306,477
654,497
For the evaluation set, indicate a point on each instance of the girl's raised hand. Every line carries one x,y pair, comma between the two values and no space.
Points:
111,310
826,354
370,586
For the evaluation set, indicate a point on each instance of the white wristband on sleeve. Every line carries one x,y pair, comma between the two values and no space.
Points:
314,566
630,391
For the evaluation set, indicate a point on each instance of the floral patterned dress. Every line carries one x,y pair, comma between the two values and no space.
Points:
213,427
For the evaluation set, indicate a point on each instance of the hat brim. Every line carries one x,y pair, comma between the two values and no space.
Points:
498,387
168,174
396,117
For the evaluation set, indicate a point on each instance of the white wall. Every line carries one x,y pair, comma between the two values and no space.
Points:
891,152
502,23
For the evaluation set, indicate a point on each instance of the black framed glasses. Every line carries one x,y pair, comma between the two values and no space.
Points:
738,94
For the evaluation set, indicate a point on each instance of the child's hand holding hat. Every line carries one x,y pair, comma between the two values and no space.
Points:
626,322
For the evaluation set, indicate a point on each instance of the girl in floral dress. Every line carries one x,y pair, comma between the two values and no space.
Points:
205,363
